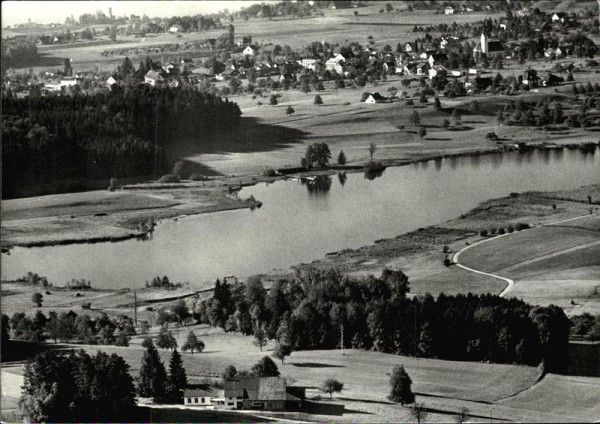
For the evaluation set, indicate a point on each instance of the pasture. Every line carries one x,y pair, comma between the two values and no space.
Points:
499,392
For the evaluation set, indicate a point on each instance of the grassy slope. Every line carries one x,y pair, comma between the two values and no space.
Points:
443,386
510,250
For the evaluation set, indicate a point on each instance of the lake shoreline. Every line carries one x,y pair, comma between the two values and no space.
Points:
222,190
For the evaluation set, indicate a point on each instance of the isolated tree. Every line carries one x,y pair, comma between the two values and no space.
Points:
153,376
418,412
318,100
401,383
331,386
265,368
341,159
422,132
437,105
181,311
415,118
193,343
372,149
446,124
229,372
260,335
177,380
290,110
318,153
423,98
281,351
37,298
165,339
456,117
273,100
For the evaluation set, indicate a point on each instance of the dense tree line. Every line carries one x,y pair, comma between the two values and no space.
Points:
18,52
69,327
45,139
376,314
76,387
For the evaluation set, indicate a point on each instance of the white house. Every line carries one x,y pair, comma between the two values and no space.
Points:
335,63
174,29
456,73
250,50
374,98
202,398
110,82
559,17
473,71
449,10
153,78
308,63
68,82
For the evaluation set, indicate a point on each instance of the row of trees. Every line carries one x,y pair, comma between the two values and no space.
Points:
120,133
68,327
309,311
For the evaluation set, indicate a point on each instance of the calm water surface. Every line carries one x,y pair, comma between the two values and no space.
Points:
301,222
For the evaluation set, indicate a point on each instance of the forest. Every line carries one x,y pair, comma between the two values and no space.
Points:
310,310
18,53
125,132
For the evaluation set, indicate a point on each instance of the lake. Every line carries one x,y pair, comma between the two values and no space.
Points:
300,222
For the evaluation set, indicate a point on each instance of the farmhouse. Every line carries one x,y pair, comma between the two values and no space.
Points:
552,79
409,47
530,78
153,78
449,10
559,17
110,82
335,63
263,393
200,397
374,98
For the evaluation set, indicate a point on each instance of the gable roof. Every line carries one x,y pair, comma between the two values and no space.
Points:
256,388
153,75
200,392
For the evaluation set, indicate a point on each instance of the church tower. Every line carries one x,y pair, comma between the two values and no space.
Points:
484,43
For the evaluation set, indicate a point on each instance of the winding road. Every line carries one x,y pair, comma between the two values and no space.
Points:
510,282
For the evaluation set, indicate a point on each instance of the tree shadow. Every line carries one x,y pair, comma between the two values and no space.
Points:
473,122
45,59
438,139
315,365
461,128
17,351
379,402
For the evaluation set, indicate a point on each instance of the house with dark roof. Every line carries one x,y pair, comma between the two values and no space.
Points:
530,78
375,98
260,393
488,47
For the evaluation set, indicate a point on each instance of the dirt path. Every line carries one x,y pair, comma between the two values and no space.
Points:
510,282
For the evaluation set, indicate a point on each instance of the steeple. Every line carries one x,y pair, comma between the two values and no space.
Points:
484,43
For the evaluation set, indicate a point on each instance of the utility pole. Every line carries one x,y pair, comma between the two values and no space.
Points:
342,338
135,307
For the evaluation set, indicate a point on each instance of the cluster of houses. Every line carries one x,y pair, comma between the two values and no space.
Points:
253,393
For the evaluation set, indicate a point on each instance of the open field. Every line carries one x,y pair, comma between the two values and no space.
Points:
487,390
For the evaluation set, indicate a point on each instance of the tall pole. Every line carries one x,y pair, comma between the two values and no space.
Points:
342,338
135,307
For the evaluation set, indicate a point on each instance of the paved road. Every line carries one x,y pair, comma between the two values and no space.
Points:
510,282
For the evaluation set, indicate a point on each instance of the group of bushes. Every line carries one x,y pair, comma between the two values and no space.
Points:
510,229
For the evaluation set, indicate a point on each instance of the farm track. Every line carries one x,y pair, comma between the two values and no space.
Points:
509,281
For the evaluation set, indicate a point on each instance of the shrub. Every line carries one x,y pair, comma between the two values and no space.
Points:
270,173
445,249
169,178
447,262
510,229
501,231
483,233
521,226
492,230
